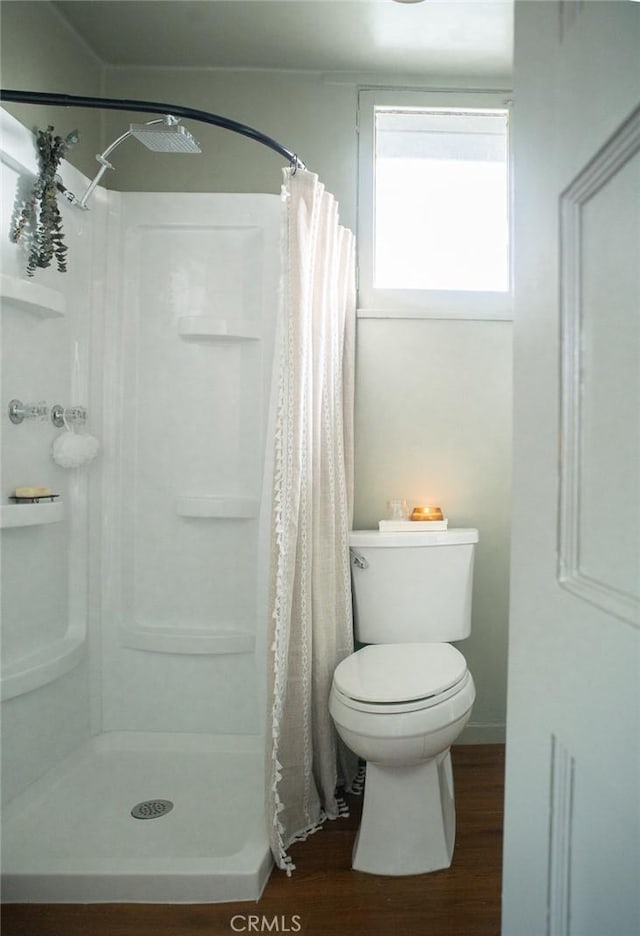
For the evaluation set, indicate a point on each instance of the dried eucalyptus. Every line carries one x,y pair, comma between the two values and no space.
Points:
43,226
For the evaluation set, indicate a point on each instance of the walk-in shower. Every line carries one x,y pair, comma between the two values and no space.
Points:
135,606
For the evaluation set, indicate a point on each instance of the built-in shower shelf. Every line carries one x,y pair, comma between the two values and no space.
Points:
42,666
32,297
163,639
202,326
23,515
218,508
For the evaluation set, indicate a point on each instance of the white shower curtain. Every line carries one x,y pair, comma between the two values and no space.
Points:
311,623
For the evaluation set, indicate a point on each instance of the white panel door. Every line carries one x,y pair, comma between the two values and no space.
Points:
572,836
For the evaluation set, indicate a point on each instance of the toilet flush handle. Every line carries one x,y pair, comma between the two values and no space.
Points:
359,560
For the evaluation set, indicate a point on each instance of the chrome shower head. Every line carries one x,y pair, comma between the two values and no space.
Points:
165,136
162,135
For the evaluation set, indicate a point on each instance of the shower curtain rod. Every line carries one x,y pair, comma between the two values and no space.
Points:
151,107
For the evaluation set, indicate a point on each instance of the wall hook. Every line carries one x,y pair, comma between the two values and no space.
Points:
19,411
73,414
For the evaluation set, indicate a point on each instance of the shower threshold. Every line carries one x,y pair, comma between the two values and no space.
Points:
70,837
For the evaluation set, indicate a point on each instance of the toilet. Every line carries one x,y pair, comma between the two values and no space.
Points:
401,700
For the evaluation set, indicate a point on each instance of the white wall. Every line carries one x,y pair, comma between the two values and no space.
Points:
304,112
39,51
453,376
433,426
398,387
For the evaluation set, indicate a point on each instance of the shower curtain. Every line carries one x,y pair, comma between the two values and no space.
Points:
310,599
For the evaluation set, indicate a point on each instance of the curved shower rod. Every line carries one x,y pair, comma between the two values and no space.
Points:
151,107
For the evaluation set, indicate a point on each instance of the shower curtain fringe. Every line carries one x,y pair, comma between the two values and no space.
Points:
286,862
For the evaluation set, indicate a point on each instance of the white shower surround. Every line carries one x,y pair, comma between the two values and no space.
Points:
184,436
170,305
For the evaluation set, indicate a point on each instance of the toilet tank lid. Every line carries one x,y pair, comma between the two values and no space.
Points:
377,539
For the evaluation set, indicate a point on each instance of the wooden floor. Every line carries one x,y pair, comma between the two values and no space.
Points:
324,897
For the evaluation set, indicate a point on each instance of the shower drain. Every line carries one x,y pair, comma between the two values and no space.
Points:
152,809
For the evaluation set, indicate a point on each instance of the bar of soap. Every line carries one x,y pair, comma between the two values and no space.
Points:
33,492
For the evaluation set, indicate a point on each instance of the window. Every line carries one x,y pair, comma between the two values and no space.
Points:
434,206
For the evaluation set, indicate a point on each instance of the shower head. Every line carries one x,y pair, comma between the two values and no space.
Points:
162,135
165,136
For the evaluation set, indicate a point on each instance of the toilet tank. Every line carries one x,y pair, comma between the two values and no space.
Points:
412,587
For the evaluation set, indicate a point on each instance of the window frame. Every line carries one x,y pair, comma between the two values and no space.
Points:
421,303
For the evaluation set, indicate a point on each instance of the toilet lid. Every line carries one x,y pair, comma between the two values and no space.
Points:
399,672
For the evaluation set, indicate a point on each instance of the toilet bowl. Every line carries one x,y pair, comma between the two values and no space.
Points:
400,707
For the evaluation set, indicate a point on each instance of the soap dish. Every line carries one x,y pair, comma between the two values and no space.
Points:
43,498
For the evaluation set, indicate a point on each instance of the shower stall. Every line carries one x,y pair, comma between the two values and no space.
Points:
134,603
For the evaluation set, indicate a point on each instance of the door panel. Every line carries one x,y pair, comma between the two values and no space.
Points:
572,838
600,390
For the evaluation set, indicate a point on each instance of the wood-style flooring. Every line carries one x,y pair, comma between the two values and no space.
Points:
324,897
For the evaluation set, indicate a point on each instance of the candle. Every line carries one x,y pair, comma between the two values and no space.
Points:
426,513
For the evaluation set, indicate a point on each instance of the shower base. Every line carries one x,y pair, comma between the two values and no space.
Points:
70,837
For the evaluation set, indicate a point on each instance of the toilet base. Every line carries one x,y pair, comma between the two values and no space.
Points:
408,818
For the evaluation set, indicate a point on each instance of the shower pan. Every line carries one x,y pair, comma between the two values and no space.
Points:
134,615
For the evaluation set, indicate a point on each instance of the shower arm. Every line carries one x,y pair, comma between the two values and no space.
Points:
150,107
104,165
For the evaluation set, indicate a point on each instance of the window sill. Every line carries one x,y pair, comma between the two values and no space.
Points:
418,304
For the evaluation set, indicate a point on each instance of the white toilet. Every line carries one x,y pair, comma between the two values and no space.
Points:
402,700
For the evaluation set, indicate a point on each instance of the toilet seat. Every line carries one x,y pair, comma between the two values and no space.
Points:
398,678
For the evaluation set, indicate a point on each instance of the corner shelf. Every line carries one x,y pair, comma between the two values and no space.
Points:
203,326
32,297
41,667
23,515
229,508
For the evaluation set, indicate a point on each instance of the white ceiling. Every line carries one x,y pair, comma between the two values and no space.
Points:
437,37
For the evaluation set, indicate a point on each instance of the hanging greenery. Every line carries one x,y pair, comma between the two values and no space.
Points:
41,224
